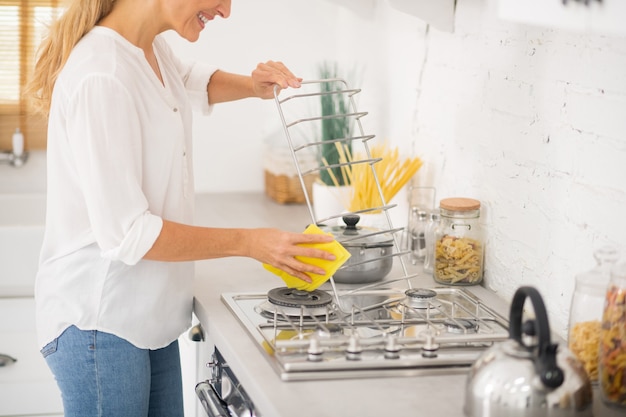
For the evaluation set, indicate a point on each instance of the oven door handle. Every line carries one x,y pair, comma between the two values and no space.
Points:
211,401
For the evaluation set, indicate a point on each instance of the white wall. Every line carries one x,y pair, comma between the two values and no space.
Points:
529,120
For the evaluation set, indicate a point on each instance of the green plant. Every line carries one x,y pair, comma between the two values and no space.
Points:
335,127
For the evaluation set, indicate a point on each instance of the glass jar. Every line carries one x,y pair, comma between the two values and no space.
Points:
586,310
429,260
459,247
417,235
612,360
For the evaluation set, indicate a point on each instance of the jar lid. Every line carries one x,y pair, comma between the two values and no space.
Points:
459,204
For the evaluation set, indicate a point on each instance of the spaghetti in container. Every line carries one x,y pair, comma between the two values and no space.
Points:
459,243
612,359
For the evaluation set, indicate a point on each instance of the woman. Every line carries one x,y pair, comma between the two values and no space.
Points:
110,300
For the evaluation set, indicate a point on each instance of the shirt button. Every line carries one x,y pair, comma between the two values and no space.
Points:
175,109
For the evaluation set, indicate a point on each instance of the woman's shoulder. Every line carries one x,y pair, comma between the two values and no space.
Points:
102,52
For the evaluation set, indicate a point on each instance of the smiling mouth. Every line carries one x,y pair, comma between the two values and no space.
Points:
204,19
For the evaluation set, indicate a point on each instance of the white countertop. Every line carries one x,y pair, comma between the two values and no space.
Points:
398,396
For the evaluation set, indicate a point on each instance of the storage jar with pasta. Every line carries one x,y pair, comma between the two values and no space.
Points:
585,317
459,246
612,361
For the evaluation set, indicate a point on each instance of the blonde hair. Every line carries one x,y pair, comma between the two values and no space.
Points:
78,19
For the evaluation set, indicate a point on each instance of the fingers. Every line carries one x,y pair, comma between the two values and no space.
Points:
312,238
294,262
285,251
277,73
271,73
297,273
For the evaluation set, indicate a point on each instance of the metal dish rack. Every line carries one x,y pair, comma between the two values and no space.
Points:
302,139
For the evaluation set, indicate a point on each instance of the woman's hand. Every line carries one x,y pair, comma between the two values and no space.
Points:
279,249
271,73
226,86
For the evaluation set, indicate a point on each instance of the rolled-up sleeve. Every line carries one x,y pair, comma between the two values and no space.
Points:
196,82
138,240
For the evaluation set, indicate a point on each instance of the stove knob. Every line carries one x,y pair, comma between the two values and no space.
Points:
315,350
392,350
353,352
429,350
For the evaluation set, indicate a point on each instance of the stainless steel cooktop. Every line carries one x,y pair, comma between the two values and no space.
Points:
368,333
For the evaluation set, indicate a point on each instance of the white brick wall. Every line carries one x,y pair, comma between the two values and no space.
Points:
532,122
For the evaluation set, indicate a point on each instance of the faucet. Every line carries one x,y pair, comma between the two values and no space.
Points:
13,159
16,157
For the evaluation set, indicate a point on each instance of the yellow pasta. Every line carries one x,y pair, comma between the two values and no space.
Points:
584,342
458,260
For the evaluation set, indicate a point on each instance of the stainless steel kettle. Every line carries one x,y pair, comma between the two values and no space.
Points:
527,375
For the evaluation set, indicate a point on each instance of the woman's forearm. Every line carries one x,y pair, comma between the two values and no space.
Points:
225,86
180,242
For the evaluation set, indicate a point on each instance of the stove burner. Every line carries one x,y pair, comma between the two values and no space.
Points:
283,303
420,297
291,297
461,326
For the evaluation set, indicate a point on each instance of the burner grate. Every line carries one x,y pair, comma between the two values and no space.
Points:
378,333
291,297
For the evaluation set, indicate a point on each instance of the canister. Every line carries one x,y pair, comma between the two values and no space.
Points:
459,243
585,318
433,222
612,360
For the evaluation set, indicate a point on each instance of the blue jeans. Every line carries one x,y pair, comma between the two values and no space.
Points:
102,375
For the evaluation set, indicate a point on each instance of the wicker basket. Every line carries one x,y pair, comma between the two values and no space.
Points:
287,189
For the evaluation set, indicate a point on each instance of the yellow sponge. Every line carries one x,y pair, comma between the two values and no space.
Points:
341,256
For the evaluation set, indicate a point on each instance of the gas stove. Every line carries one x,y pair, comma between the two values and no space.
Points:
368,332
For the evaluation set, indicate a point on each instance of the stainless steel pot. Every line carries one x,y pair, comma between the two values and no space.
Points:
538,379
371,251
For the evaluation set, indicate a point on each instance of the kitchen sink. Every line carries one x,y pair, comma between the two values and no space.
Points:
22,218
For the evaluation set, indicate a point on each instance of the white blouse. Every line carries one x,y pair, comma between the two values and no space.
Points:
119,161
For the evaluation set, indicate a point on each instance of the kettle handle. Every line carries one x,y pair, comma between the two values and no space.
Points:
545,362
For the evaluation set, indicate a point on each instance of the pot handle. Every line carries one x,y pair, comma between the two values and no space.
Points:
545,362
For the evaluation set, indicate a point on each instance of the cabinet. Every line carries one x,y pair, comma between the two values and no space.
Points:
590,16
27,387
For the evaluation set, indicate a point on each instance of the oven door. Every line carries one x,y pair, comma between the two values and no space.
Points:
221,395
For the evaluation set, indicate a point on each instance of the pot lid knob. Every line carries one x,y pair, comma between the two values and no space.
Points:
351,220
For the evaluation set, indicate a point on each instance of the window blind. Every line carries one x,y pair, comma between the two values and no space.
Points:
23,23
